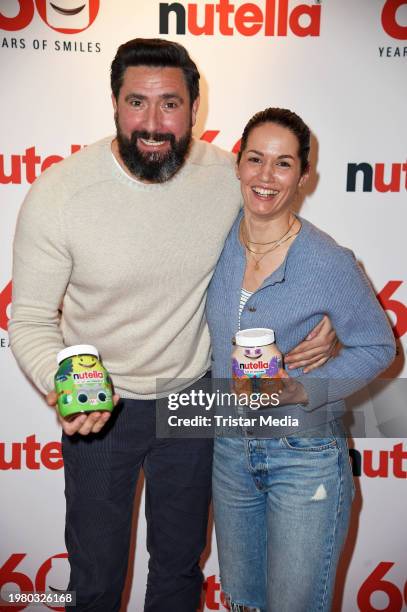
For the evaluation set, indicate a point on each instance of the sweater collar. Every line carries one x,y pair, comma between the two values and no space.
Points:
279,275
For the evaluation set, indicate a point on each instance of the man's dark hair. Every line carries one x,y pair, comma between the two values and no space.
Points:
154,52
287,119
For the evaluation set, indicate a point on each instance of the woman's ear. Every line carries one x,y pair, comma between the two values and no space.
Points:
304,178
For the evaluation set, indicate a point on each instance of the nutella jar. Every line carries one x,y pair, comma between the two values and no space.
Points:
82,383
256,362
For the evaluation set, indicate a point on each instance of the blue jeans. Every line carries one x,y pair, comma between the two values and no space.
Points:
282,510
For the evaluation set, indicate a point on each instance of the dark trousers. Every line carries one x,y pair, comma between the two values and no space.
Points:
101,472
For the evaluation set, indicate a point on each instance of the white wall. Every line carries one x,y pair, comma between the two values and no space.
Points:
348,81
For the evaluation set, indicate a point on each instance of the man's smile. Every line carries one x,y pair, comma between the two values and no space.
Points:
152,143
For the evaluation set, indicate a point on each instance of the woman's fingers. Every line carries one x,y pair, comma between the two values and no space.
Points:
308,357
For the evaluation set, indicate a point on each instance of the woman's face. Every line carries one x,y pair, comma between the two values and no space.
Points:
270,170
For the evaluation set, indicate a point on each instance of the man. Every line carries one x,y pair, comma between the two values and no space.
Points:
126,233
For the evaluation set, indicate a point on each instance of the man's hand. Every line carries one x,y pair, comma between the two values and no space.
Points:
83,424
315,350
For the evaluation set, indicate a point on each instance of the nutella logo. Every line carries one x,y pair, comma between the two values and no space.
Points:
86,375
254,365
269,18
16,168
394,13
30,454
380,464
65,16
383,177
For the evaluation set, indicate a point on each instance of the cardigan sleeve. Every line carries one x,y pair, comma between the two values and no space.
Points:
363,330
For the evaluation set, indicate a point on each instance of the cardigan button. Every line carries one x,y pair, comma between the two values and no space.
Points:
252,309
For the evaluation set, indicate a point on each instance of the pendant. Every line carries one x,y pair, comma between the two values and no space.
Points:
256,267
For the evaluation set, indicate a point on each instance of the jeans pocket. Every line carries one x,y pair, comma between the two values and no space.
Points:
318,439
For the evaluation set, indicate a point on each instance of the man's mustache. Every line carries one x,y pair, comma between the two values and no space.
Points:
156,136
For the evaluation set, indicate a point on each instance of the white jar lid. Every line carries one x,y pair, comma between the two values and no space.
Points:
77,349
257,336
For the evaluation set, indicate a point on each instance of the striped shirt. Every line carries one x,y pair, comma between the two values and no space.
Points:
244,296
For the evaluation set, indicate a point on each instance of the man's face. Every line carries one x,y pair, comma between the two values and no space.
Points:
154,120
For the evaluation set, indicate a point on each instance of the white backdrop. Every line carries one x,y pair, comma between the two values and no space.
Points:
342,66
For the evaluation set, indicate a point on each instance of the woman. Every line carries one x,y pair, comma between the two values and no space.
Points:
282,505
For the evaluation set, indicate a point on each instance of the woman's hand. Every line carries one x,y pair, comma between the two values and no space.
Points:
292,391
315,350
83,424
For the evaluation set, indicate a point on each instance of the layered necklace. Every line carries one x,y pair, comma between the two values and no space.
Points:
275,243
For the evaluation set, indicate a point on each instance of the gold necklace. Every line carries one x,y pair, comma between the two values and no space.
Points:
257,261
280,241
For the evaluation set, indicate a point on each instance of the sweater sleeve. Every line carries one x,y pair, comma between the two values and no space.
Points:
363,330
41,270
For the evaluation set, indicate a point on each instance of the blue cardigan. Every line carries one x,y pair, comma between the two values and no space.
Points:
317,277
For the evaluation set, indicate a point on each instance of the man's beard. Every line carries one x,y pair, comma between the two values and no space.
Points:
153,166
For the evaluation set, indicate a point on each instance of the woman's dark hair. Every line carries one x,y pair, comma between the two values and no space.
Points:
154,52
287,119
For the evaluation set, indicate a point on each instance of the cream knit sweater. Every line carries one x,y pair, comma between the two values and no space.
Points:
129,262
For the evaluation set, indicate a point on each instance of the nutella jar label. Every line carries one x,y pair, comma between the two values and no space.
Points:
255,360
82,383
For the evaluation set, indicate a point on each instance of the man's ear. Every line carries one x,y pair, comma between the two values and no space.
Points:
114,102
194,110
